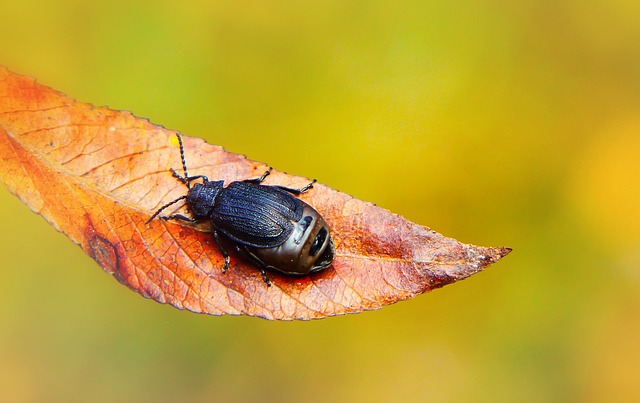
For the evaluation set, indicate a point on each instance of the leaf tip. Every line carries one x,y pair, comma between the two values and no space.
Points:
486,256
474,260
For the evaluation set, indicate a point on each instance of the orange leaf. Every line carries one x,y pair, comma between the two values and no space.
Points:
97,175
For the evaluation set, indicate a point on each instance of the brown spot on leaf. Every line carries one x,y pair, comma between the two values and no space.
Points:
103,252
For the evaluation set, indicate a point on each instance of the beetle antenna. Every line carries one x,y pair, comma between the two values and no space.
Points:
165,206
184,162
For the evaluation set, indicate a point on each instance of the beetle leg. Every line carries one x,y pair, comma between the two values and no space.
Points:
224,252
259,180
177,217
297,191
264,277
259,263
187,179
179,177
158,211
190,178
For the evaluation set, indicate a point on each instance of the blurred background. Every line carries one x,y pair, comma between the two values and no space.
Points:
496,123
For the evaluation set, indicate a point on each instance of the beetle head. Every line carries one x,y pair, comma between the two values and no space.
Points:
201,197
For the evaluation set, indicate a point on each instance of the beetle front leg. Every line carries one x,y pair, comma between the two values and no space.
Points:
177,217
187,179
224,252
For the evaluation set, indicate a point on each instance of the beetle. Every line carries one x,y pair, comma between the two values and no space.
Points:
274,229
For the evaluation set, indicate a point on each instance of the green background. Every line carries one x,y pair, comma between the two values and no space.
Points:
496,123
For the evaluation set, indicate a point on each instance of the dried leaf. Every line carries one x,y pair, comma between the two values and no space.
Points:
97,175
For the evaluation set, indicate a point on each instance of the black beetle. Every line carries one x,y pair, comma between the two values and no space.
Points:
268,224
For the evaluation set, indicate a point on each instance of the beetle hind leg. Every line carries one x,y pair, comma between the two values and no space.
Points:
261,266
257,262
264,277
224,252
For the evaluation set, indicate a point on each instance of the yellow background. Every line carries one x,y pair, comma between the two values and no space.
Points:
497,123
